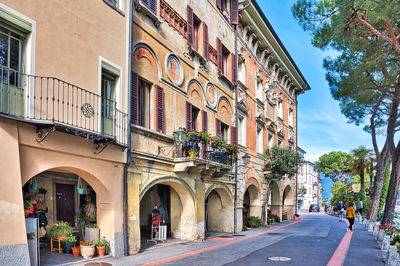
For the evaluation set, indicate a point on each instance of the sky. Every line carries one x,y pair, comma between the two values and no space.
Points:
321,126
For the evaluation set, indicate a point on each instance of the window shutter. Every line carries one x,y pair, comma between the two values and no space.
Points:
205,34
135,99
218,127
234,135
146,3
153,6
160,123
219,4
188,116
219,55
234,69
234,12
190,38
205,121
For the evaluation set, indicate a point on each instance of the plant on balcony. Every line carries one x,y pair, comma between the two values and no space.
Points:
218,143
204,136
193,136
232,149
192,143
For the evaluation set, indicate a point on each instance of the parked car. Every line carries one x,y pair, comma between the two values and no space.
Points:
314,208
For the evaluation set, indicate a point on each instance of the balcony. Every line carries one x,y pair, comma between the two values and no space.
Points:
196,155
55,105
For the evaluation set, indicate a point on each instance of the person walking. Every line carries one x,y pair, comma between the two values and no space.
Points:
361,207
350,215
340,208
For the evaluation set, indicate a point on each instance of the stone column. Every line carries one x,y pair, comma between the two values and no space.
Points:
133,213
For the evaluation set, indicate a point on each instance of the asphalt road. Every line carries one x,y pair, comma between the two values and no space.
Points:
309,242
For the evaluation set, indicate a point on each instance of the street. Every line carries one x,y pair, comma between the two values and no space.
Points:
311,241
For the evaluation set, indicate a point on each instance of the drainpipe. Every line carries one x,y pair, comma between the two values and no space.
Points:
297,175
236,120
128,155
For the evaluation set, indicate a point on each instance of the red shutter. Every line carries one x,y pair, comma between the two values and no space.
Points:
153,6
205,34
234,12
219,55
234,69
219,4
234,135
135,99
205,121
160,123
190,37
218,127
188,116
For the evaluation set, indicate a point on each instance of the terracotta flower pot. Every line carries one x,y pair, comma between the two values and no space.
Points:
87,251
26,212
101,251
75,251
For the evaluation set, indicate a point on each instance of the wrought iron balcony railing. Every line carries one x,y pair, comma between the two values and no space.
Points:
51,102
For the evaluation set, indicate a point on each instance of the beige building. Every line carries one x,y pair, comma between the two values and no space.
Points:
63,121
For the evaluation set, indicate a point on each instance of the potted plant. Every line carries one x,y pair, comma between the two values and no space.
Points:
68,243
60,230
76,250
204,136
27,207
90,209
92,232
101,246
87,248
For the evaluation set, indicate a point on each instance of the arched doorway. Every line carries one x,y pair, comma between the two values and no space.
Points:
274,200
218,210
251,202
287,203
175,201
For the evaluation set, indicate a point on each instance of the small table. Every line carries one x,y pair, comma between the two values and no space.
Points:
57,239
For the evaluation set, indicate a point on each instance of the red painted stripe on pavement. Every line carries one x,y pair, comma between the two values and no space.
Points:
191,253
220,239
339,256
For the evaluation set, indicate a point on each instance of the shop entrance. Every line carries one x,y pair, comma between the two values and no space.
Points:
65,203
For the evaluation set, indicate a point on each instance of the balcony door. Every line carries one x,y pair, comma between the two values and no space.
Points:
11,62
108,103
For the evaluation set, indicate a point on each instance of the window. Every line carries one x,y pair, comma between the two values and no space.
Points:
280,110
259,90
108,81
224,131
196,31
150,4
259,140
113,3
144,104
192,114
227,6
242,130
280,141
271,139
291,117
225,57
242,72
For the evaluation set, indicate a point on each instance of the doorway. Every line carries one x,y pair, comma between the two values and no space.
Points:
65,203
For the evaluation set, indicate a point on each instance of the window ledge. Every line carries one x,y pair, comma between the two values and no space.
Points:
151,133
242,85
260,102
192,53
141,8
222,76
115,8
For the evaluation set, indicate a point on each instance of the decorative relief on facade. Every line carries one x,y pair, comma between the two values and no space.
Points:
173,18
211,94
141,54
174,69
224,110
194,92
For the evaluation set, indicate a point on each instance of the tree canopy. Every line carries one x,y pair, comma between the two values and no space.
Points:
282,161
336,165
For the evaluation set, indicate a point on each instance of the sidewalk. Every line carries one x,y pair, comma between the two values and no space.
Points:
155,254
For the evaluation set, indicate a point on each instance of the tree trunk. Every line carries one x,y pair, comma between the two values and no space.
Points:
378,183
362,174
390,203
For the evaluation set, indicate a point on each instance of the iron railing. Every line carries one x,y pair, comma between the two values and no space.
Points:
47,99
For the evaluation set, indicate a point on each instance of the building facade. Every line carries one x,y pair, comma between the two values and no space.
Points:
63,117
269,83
309,186
182,81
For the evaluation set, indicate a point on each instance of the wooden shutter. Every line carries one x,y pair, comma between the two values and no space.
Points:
190,37
146,3
218,127
153,6
234,135
219,55
219,4
205,38
205,121
160,123
135,99
234,12
234,69
188,116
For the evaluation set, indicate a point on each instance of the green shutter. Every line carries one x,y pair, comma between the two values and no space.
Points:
16,22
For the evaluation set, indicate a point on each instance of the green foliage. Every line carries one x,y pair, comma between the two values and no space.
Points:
27,205
335,165
31,235
59,229
282,161
385,188
244,227
253,221
91,226
71,239
101,242
218,142
395,240
277,219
